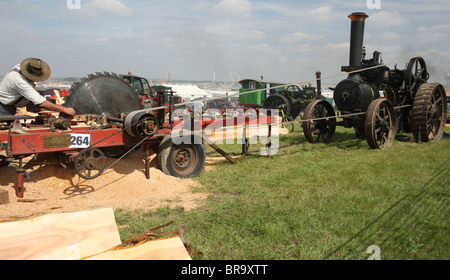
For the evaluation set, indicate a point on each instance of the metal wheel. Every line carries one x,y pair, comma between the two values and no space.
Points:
286,122
294,92
280,102
90,163
183,160
141,124
380,124
416,74
321,130
429,113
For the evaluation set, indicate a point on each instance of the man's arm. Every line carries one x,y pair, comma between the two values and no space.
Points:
58,108
26,90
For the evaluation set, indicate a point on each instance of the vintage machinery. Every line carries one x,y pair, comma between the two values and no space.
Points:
289,99
149,94
378,101
294,99
111,122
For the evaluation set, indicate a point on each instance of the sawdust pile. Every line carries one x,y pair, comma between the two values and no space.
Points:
52,188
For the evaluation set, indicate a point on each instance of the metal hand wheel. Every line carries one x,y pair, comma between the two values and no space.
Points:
90,163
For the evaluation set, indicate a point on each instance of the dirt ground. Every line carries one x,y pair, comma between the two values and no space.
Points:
54,189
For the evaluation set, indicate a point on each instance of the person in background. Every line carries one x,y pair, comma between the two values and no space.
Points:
18,88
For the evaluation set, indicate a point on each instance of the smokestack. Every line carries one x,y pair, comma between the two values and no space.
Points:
319,82
356,39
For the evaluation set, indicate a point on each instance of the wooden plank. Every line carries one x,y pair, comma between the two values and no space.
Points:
219,150
58,97
59,236
160,249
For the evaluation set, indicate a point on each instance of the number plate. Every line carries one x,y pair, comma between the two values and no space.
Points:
80,140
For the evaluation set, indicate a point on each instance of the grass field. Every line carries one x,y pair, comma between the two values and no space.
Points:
321,201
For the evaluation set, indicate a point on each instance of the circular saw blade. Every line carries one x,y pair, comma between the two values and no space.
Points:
103,93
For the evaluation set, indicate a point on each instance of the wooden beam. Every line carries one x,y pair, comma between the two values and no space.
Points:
160,249
59,236
219,150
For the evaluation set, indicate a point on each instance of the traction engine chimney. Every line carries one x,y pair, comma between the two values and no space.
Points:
356,40
319,83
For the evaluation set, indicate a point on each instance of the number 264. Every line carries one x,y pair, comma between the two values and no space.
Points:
79,140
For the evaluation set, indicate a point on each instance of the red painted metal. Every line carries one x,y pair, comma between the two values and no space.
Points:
19,183
28,142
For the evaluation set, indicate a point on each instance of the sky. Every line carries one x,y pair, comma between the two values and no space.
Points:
283,40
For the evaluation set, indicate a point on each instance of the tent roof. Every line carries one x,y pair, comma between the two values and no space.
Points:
188,90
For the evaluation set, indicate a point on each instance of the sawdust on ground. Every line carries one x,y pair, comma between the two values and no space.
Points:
54,189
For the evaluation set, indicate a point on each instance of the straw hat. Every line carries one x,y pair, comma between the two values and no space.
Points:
35,69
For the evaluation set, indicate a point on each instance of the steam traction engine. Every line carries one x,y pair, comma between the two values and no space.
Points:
378,101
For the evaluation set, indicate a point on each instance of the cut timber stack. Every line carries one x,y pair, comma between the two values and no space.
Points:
89,234
236,132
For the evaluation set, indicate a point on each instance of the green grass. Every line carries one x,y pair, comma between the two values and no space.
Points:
322,201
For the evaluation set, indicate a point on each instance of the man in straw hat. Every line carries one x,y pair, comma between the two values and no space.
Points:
19,88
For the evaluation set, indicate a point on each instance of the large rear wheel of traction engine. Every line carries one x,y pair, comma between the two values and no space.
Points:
181,160
429,113
380,124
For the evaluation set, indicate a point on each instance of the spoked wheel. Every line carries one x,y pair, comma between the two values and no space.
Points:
294,91
321,130
90,163
280,102
380,124
286,122
183,160
416,73
429,113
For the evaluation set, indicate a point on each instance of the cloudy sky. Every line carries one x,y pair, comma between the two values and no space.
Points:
283,40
